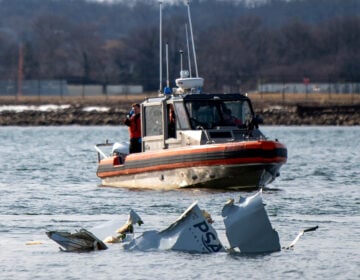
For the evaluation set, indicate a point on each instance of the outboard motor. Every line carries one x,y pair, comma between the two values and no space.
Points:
121,150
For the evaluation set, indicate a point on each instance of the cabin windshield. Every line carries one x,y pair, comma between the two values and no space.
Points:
212,113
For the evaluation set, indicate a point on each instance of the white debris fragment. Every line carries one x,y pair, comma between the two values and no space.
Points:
191,232
248,227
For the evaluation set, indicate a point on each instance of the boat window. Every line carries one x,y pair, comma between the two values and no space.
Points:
181,115
202,113
153,120
235,112
246,112
212,113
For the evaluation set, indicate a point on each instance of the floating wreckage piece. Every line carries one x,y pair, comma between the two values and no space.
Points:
34,242
301,233
248,227
126,229
133,219
80,241
191,232
85,240
248,230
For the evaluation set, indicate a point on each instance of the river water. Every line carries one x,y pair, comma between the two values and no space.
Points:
48,182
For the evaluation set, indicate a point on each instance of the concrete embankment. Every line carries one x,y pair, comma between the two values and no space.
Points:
348,115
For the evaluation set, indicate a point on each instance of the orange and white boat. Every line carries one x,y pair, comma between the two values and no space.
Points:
205,151
214,142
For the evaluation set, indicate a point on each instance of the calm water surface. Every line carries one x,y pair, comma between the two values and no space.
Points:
48,182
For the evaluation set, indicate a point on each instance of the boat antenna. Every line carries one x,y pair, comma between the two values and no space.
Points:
160,48
188,48
192,38
181,59
167,66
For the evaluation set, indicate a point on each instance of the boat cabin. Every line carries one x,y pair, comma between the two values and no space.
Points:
196,119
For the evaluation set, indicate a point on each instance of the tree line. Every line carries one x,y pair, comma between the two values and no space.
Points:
237,45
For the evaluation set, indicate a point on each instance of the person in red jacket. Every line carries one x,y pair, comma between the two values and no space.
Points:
134,124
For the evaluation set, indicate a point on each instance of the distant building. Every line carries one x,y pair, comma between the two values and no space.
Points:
309,88
34,88
62,88
110,90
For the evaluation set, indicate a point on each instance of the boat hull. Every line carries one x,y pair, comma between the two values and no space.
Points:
243,165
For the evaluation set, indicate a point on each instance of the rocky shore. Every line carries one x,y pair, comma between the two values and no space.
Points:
70,116
275,115
88,112
345,115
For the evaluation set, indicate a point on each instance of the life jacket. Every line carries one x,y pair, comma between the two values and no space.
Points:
135,126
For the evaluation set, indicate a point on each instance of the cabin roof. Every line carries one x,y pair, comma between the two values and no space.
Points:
201,96
220,96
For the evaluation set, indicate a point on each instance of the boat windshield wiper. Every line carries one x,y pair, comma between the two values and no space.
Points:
208,140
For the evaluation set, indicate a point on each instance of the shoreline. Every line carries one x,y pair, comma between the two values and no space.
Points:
85,111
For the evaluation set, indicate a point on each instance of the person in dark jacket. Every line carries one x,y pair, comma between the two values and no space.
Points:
134,123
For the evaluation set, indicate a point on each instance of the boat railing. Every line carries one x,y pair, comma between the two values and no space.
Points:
100,153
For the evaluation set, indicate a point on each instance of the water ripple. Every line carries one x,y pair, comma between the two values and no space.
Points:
48,182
